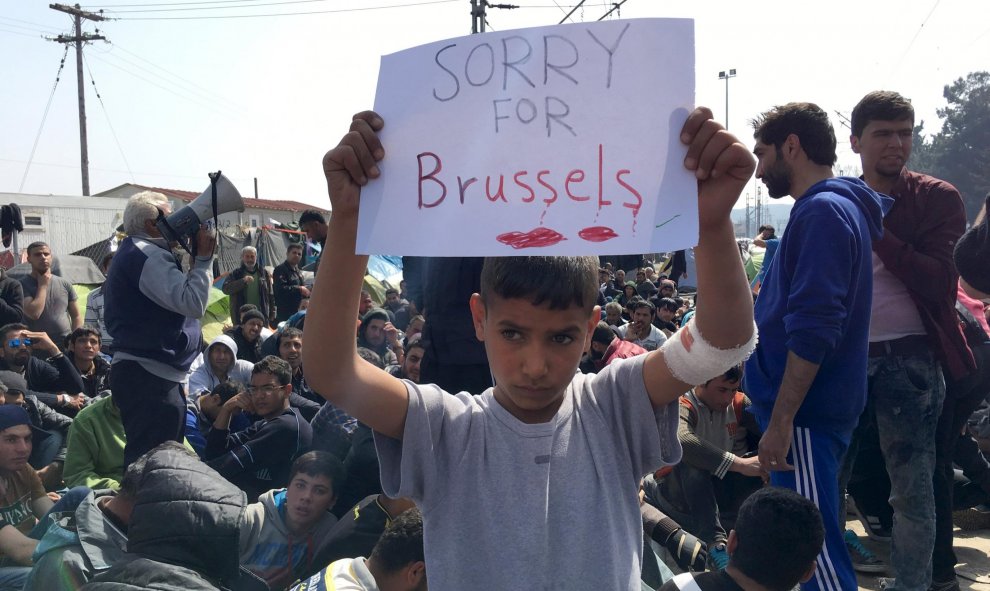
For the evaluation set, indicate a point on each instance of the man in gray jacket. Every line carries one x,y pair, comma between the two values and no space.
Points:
86,542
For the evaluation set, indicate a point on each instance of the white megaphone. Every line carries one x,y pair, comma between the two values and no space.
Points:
220,197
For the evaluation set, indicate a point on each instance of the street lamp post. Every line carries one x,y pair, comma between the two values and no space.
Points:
725,75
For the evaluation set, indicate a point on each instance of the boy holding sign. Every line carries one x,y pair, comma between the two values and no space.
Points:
533,484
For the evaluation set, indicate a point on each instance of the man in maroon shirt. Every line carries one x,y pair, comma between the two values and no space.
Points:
606,347
915,337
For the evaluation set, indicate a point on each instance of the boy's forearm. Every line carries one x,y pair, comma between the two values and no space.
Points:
725,310
334,304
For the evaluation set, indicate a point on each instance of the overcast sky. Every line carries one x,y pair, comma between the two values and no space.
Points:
265,97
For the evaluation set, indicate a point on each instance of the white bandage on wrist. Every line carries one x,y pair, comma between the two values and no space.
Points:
694,361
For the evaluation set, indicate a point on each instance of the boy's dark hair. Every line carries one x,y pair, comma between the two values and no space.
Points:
807,121
880,105
779,533
603,334
85,330
371,357
228,390
559,282
275,366
311,215
669,304
641,303
733,374
294,245
390,291
37,244
320,463
773,231
401,542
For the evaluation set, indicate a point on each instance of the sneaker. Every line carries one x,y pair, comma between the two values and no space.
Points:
863,560
952,585
875,530
976,518
718,557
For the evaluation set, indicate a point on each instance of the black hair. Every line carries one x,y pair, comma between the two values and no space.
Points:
773,231
880,105
414,343
391,290
289,332
13,326
245,308
311,215
37,244
668,303
276,366
293,246
641,303
371,357
603,334
807,121
320,463
85,330
401,543
733,374
779,534
559,282
229,389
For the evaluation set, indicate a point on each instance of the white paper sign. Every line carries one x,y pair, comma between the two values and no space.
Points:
550,140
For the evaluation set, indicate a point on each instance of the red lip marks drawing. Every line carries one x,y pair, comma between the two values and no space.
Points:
597,234
541,237
535,238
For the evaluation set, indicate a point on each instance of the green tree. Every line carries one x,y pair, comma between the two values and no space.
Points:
960,152
923,155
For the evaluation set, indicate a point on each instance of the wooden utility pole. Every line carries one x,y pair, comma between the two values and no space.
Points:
78,39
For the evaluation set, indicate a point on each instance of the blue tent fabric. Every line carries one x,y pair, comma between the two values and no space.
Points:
383,267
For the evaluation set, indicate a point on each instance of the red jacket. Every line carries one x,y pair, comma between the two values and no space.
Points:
920,232
619,349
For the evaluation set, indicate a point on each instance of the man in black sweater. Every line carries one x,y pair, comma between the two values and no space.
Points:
260,457
55,381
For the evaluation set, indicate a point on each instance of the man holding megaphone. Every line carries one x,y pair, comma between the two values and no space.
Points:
153,310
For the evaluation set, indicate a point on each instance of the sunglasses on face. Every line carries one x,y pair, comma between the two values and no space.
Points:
15,343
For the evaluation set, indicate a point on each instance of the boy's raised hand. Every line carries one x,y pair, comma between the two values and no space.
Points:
721,163
350,165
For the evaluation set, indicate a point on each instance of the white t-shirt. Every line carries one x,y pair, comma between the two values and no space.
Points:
346,574
510,505
651,343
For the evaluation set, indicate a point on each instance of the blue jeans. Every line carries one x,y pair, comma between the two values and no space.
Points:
12,578
902,409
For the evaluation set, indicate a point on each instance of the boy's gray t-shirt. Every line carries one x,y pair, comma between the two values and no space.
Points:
54,318
510,505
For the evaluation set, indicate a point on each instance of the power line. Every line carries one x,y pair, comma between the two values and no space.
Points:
212,107
58,76
278,3
170,3
916,33
39,25
109,123
336,10
613,9
206,94
10,32
54,165
568,15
